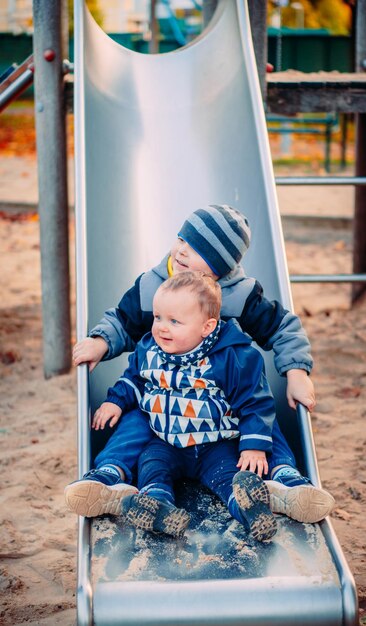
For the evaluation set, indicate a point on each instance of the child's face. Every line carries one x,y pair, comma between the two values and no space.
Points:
179,324
184,258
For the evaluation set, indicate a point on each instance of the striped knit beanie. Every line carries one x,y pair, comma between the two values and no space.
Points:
219,234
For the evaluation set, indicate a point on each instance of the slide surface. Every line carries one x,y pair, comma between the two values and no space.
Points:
158,136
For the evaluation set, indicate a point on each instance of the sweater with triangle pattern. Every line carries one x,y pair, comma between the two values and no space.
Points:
212,394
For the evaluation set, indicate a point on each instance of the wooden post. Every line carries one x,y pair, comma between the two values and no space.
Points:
359,222
258,24
52,184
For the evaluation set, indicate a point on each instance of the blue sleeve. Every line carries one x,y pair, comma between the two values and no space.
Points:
275,328
246,389
128,389
122,327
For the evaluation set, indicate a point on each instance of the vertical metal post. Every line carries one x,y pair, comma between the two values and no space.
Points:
359,222
344,130
328,143
258,23
208,9
52,183
154,29
64,29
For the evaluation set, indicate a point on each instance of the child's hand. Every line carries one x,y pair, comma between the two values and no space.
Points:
107,411
300,388
90,350
253,460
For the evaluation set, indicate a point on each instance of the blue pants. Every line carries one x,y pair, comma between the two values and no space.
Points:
213,464
133,433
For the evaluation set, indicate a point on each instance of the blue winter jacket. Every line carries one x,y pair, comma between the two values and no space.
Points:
214,394
268,323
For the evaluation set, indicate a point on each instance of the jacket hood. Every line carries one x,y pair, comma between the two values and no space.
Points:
235,276
231,335
162,268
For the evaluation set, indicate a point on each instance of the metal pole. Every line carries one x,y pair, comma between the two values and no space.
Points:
154,29
15,88
208,9
328,278
64,29
52,183
320,180
359,222
258,23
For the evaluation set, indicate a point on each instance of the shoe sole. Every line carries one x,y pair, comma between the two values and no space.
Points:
147,513
90,498
303,503
253,498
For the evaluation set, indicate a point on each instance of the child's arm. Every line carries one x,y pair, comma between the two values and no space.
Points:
90,350
247,391
275,328
254,461
107,411
300,388
118,331
126,392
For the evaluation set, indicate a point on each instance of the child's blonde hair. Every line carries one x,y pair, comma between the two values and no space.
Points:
207,290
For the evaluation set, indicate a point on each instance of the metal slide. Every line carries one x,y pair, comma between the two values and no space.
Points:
158,136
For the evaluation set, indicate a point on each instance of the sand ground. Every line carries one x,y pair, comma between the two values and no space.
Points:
38,416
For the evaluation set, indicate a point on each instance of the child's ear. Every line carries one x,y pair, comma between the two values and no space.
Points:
209,326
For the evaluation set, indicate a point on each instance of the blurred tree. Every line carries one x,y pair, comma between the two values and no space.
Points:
334,15
94,8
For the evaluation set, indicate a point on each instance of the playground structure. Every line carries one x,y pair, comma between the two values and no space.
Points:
120,95
194,118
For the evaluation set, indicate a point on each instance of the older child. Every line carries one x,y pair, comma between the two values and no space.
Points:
204,389
212,240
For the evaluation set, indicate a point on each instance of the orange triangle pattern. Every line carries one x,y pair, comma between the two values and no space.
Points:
199,383
191,441
157,406
163,382
189,412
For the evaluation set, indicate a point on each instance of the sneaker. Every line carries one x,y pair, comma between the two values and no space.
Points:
148,513
252,496
97,493
302,502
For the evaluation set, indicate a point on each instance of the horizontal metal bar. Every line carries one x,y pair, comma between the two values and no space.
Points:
298,131
320,180
328,278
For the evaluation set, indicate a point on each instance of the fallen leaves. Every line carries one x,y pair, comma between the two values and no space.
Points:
348,392
342,514
9,356
29,216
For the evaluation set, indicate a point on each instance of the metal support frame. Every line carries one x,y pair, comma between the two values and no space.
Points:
154,29
359,222
16,80
359,181
258,25
320,180
208,9
328,278
306,125
52,183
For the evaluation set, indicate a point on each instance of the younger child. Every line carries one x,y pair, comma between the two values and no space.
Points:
212,240
203,387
